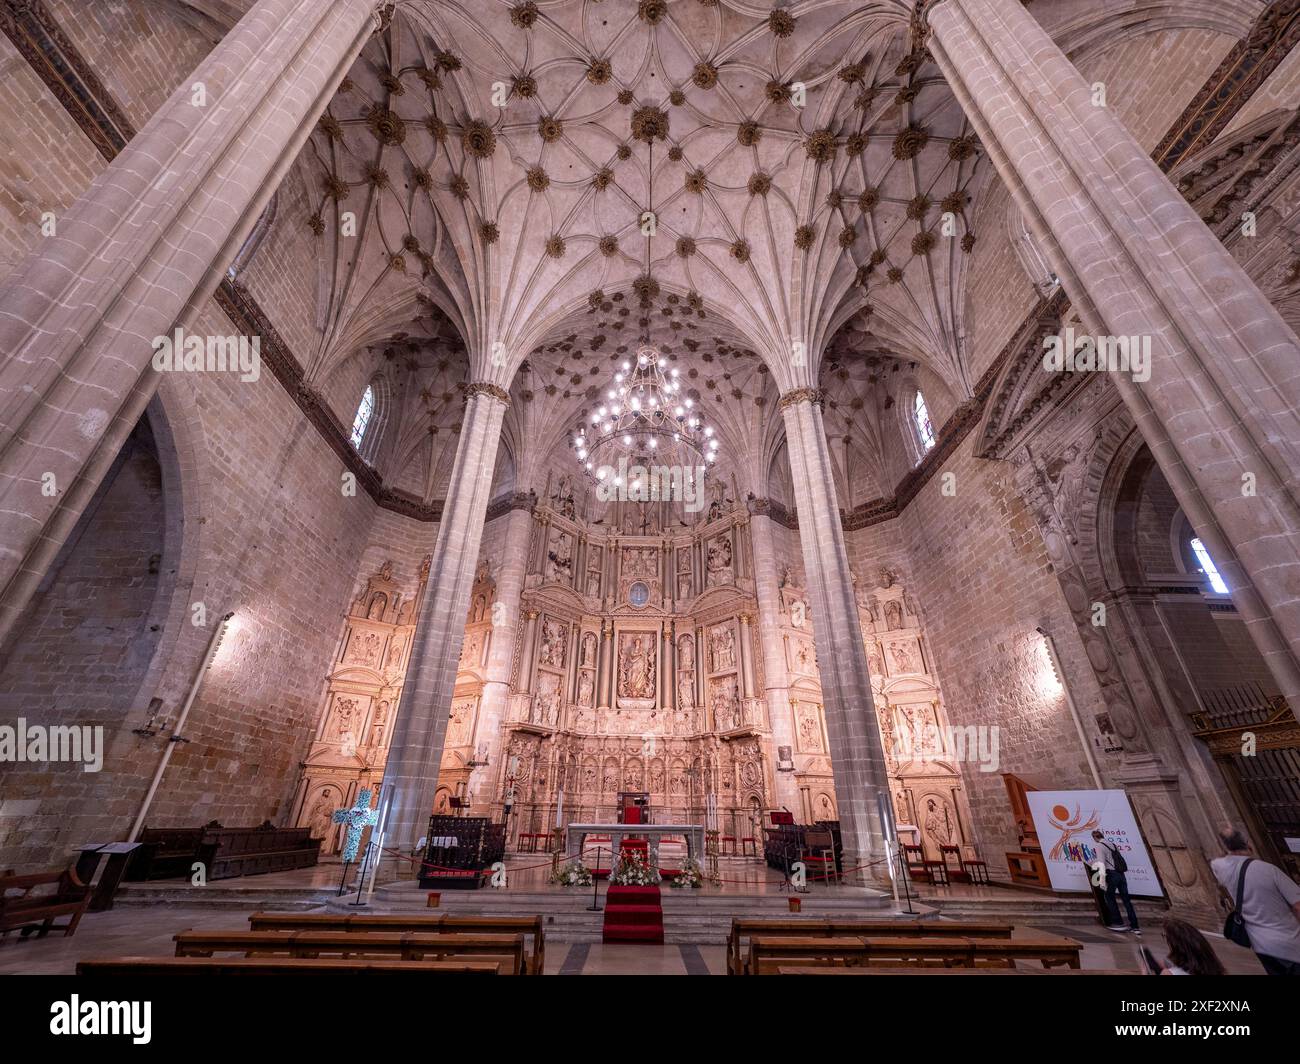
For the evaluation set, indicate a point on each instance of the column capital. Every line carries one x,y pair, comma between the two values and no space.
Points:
802,395
494,391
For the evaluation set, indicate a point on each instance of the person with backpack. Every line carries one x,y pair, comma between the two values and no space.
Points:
1266,905
1111,866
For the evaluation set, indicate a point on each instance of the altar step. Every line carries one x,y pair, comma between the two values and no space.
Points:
633,914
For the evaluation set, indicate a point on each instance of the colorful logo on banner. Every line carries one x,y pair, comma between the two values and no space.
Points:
1065,821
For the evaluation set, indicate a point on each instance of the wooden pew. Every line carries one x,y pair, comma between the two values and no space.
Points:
404,945
33,911
431,923
281,966
768,953
742,928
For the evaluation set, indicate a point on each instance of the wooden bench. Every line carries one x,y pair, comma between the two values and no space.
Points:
281,966
768,954
406,945
433,924
224,853
30,911
742,928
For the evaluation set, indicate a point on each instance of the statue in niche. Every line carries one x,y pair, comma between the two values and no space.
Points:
377,725
893,615
938,822
586,689
554,639
723,645
686,690
321,818
718,504
790,590
589,777
593,583
825,809
637,670
377,606
560,568
404,614
563,497
677,782
719,561
657,778
589,649
683,585
395,649
632,777
1068,483
345,719
609,784
874,664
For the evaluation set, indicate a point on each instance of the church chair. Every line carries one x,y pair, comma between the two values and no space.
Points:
818,853
953,866
748,846
31,912
336,966
723,844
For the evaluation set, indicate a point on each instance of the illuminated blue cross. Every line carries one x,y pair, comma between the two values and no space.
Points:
357,818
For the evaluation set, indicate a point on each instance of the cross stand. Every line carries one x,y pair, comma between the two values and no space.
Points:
361,880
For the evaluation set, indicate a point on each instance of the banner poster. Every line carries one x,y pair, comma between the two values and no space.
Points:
1065,821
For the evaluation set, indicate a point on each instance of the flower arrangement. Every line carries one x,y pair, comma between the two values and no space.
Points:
691,875
633,871
573,874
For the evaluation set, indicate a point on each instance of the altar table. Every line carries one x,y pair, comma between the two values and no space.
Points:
693,833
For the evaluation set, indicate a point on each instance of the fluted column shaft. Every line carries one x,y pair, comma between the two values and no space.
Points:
1221,410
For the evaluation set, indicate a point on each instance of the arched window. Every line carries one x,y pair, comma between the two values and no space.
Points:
1208,567
921,415
365,411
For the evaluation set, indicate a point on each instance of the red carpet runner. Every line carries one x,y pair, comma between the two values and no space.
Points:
633,914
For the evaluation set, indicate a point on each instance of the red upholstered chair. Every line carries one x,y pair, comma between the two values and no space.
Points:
723,843
751,842
527,842
818,854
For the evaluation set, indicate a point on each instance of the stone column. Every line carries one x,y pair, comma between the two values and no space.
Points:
510,584
526,656
1221,410
411,774
141,253
746,658
857,757
772,646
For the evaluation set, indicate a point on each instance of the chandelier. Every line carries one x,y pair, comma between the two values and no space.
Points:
646,418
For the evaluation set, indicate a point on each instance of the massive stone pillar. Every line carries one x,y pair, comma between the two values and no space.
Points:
1221,410
857,757
505,634
139,254
415,754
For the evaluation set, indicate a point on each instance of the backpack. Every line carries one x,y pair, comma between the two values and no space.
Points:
1121,865
1234,927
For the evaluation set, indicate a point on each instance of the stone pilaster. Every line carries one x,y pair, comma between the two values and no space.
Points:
767,590
415,754
857,757
1221,410
140,254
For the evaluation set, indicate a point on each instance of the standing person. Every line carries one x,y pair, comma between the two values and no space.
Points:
1190,952
1110,862
1270,903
